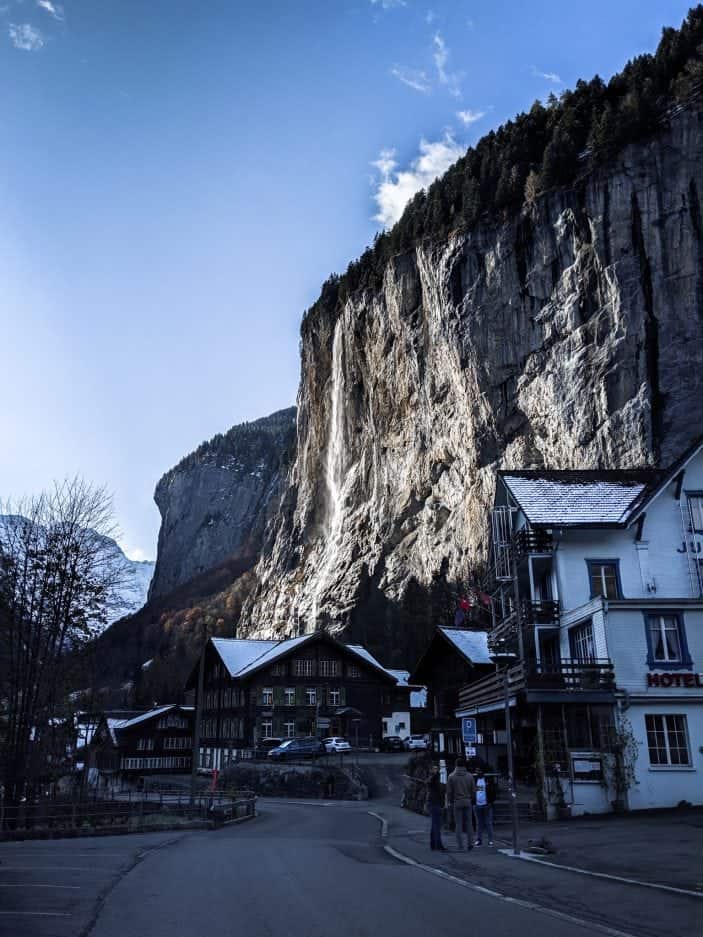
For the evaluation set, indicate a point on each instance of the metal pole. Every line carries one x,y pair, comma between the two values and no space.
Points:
196,725
511,770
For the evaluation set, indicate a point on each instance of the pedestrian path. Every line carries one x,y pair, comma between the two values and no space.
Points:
623,907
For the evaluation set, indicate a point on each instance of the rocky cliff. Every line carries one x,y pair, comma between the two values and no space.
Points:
569,333
216,502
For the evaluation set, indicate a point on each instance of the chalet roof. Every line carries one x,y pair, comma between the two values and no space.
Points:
244,656
143,717
580,498
472,645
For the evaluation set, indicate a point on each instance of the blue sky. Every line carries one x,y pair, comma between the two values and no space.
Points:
178,178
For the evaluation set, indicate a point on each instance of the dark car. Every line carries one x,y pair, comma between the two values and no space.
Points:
392,743
265,746
291,749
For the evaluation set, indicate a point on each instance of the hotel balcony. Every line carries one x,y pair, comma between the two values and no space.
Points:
562,682
530,542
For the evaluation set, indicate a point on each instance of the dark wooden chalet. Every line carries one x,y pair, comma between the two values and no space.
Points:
453,657
309,685
159,741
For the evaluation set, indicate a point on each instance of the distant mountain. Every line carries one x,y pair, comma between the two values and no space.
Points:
138,574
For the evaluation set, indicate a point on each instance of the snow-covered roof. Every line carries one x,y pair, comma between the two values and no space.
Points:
128,723
401,676
243,656
473,645
579,498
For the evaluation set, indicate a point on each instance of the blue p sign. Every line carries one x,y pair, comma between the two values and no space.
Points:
468,731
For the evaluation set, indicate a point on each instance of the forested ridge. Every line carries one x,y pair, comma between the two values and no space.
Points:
553,144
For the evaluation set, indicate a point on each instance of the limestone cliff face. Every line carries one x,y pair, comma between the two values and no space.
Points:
216,502
568,335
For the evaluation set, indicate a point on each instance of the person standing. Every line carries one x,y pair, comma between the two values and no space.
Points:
460,792
435,804
484,797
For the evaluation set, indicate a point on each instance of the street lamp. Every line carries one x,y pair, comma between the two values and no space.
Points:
502,657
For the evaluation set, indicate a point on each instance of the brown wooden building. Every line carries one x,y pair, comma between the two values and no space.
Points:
309,685
453,658
159,741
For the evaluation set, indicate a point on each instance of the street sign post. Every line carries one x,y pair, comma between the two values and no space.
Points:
468,731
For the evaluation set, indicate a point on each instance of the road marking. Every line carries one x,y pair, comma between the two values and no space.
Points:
34,885
39,913
49,868
519,902
384,823
612,878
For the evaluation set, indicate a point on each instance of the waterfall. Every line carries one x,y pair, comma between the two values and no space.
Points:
334,463
334,470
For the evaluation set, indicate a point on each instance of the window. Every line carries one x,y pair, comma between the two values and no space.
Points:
303,667
227,699
581,642
310,696
667,739
695,510
666,640
335,697
266,729
289,729
329,668
145,744
289,696
353,671
605,578
267,696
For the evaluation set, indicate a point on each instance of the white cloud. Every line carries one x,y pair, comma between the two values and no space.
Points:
25,37
396,187
548,76
412,77
469,117
54,9
430,17
452,81
388,4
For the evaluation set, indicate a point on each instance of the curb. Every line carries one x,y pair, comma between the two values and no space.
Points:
490,893
527,857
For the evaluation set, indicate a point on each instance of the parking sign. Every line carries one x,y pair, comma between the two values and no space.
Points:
468,731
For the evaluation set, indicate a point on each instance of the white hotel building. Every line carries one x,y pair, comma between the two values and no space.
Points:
606,693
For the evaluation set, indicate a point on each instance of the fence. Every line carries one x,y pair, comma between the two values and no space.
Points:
124,811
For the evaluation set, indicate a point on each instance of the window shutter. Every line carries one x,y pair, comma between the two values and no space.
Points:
278,696
300,696
328,696
277,727
320,696
342,696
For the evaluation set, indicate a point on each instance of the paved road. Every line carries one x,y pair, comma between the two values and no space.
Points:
296,871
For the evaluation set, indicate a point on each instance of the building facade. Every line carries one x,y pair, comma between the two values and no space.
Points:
599,594
309,685
159,741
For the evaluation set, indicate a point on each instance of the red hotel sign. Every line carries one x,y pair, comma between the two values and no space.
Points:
675,679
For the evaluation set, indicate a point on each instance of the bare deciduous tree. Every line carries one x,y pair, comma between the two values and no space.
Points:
59,581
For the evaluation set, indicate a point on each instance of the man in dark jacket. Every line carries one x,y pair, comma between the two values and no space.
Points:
435,804
484,798
460,794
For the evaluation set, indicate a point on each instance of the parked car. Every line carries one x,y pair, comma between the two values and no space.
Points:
416,743
309,747
265,746
392,743
336,744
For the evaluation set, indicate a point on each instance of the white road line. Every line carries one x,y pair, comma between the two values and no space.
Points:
519,902
39,913
50,868
35,885
612,878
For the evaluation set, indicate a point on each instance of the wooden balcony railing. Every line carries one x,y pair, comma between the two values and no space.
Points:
569,676
544,612
491,688
526,542
572,675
